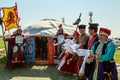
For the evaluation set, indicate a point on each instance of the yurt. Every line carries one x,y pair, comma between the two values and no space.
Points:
40,34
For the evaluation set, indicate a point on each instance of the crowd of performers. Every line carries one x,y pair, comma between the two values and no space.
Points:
90,56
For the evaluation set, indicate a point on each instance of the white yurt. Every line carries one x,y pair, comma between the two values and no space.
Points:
44,29
47,27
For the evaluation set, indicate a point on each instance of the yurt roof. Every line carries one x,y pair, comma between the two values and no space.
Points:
47,27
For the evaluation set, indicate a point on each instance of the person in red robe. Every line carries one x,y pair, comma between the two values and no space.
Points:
71,67
16,48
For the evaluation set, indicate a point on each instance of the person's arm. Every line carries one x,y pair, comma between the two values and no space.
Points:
109,53
11,39
92,53
61,42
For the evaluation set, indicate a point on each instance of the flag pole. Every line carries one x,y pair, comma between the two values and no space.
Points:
17,13
90,19
3,33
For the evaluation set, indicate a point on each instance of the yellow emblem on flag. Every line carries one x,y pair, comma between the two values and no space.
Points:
10,17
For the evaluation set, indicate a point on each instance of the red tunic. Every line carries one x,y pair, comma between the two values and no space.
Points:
73,66
92,40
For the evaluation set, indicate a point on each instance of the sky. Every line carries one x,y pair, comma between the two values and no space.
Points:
105,12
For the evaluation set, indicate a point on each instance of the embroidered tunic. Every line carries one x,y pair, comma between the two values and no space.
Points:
105,67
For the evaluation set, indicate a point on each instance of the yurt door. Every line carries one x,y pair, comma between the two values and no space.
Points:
29,54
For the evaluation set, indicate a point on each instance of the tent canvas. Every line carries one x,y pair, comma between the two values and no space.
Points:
47,27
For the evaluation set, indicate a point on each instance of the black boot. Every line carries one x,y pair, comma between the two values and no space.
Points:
81,78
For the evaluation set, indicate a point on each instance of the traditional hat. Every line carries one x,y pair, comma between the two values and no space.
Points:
82,26
66,34
93,26
76,33
60,26
105,31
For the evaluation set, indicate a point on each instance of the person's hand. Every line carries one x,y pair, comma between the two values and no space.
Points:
93,57
55,44
69,60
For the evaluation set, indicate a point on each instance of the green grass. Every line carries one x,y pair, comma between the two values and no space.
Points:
117,56
34,72
2,59
1,43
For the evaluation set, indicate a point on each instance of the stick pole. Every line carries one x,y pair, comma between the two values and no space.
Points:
3,33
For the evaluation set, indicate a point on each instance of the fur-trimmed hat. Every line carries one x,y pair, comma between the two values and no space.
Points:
105,31
76,33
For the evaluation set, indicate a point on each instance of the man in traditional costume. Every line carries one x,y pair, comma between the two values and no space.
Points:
103,51
93,29
60,35
83,38
16,49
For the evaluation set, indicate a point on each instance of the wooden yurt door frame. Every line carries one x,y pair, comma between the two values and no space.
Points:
50,54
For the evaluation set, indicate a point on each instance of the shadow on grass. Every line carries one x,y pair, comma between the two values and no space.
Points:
34,72
2,59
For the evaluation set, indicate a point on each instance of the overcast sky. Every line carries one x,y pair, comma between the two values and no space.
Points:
105,12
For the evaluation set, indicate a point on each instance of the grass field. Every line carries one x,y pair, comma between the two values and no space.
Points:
117,56
37,72
1,43
33,72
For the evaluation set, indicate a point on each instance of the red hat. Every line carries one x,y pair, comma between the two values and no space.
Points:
105,31
60,26
76,33
66,34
